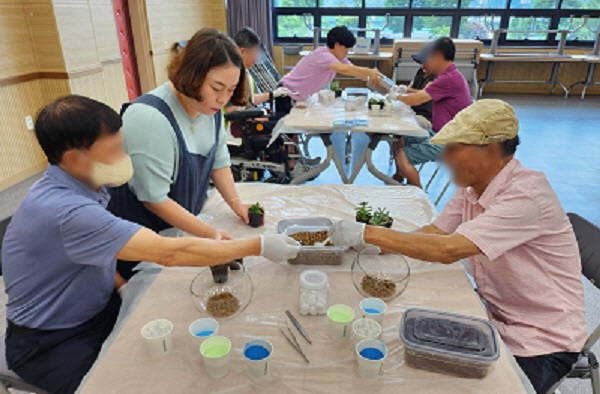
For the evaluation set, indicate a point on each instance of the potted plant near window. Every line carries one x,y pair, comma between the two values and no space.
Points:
364,213
335,86
381,218
256,215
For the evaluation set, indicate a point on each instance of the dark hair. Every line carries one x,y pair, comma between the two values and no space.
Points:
207,49
246,38
509,147
446,47
342,36
73,122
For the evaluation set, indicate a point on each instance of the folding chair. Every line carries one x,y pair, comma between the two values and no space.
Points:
9,379
588,239
435,172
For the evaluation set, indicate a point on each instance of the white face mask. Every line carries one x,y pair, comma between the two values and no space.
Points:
112,175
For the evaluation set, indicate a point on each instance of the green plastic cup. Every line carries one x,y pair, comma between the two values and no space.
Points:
215,351
340,320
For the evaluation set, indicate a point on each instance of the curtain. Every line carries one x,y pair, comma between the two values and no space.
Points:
255,14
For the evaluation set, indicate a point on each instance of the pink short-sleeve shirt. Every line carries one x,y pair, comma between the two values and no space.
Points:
529,269
312,73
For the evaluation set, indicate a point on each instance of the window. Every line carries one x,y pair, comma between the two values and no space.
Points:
431,26
395,29
477,27
289,26
340,3
435,3
483,3
528,23
427,19
580,4
328,22
533,4
583,34
295,3
386,3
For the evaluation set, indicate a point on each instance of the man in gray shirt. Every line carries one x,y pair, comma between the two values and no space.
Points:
60,249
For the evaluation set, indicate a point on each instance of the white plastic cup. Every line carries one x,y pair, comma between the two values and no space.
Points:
357,337
157,334
370,368
373,308
203,328
215,351
340,321
257,368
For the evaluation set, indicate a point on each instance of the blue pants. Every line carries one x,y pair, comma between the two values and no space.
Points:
544,371
57,360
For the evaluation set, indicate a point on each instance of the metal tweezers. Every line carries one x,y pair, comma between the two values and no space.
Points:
292,340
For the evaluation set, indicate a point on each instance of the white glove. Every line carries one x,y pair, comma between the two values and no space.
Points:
348,233
282,91
278,247
395,91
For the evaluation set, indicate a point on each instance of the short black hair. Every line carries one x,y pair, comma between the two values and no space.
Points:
246,38
509,147
446,47
342,36
73,122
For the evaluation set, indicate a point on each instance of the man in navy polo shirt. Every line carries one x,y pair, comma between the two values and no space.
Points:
60,249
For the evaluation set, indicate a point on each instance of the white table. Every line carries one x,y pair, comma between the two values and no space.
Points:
126,368
319,120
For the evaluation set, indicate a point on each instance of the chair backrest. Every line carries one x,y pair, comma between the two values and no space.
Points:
588,239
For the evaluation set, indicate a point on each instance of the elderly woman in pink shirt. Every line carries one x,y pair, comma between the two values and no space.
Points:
508,221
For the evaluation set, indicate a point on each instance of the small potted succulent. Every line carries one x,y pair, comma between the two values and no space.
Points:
335,86
380,107
256,215
381,218
364,213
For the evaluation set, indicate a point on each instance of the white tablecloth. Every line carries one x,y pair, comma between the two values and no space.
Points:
126,367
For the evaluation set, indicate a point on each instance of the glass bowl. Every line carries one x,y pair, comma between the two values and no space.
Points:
222,300
382,276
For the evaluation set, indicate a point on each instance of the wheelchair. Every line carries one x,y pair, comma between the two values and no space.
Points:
257,158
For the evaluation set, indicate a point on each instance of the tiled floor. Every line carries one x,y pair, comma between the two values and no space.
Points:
559,138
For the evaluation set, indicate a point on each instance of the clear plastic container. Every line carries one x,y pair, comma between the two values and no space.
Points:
314,290
313,255
448,343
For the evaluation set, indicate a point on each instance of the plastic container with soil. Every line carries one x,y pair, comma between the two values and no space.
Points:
311,254
448,343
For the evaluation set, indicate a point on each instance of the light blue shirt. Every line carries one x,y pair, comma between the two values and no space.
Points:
59,253
152,144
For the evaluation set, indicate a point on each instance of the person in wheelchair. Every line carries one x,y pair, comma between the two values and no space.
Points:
249,135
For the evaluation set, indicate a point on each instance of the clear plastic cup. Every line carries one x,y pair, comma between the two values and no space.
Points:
365,328
373,308
340,320
157,335
370,354
215,351
203,328
257,353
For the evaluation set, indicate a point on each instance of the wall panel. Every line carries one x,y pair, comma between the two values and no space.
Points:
15,42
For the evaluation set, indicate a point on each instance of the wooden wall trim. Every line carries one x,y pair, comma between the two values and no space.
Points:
16,79
31,76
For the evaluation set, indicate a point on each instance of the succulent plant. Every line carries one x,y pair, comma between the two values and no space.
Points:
381,217
256,209
335,85
363,212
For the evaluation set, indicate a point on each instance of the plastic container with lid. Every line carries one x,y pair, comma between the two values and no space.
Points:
314,289
448,343
312,255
